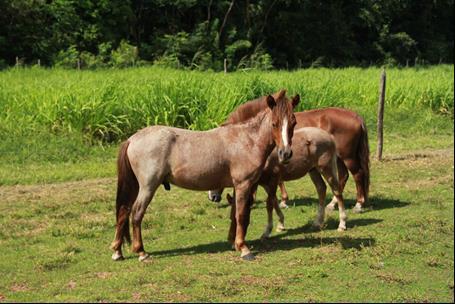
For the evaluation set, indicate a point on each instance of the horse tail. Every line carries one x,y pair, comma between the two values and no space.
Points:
364,155
127,190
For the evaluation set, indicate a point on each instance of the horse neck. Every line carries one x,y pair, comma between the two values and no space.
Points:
260,129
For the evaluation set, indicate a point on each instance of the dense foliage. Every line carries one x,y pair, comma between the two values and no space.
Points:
200,34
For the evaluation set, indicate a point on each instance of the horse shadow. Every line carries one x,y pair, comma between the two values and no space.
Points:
281,242
375,203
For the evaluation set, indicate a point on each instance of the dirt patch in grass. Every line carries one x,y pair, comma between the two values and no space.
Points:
420,154
18,287
81,191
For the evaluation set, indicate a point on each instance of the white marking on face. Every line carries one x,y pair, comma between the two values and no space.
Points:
284,132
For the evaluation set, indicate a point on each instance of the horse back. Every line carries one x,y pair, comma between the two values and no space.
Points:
344,125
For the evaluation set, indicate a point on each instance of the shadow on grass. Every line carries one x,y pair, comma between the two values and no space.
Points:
380,203
279,242
273,244
375,203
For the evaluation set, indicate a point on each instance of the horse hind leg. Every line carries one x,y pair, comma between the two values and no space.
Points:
330,173
359,177
343,176
146,193
122,228
322,190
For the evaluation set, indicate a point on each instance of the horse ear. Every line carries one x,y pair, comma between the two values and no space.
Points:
295,101
271,102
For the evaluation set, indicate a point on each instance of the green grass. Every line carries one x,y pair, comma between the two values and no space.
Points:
57,191
55,244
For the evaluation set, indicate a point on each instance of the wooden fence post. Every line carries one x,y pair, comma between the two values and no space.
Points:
39,62
78,64
225,65
17,61
381,114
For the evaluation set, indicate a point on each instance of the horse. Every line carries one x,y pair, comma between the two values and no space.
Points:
314,152
232,155
351,138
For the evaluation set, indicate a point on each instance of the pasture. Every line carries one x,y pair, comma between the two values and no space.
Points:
60,131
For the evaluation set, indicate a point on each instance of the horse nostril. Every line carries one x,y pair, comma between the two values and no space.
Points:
290,154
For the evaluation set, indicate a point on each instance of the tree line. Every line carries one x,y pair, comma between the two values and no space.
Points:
202,34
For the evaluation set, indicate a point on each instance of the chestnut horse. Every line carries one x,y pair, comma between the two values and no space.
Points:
349,132
314,151
232,155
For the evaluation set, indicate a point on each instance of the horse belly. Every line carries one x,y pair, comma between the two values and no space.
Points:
295,171
201,180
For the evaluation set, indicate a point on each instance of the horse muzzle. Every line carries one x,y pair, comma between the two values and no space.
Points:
284,155
214,197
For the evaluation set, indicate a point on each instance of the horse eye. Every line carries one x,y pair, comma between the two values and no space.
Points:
274,125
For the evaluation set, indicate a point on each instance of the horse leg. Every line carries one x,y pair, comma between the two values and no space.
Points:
242,204
122,224
233,227
284,195
144,197
343,176
270,205
280,227
359,175
330,173
322,190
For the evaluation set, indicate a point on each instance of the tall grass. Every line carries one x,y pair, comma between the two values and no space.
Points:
109,105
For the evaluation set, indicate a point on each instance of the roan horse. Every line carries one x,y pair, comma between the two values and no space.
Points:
314,151
232,155
349,132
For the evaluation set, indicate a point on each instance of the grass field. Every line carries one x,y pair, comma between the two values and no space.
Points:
57,190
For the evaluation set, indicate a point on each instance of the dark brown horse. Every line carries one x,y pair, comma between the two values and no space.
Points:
232,155
349,132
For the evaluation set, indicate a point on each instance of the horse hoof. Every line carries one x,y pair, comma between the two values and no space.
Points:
329,208
358,208
249,257
143,257
280,228
283,205
117,257
341,229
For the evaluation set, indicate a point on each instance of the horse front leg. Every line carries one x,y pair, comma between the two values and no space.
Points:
242,213
269,226
233,226
284,195
272,203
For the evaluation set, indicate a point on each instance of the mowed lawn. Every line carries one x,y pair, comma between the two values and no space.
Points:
55,239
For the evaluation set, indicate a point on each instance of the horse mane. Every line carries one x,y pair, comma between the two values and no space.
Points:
251,108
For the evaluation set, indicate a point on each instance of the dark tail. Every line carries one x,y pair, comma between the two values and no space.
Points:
364,155
127,190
